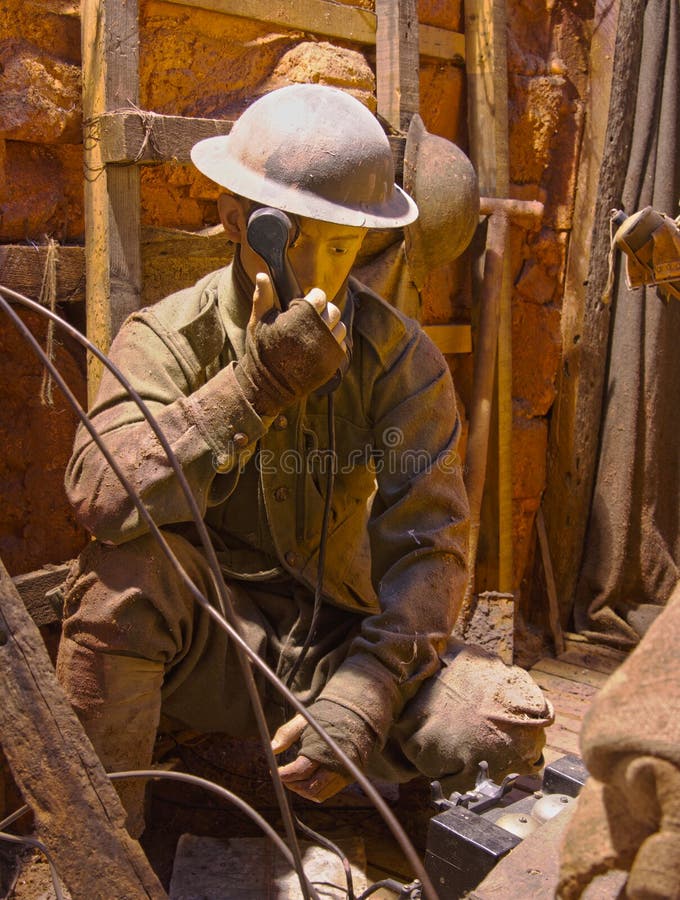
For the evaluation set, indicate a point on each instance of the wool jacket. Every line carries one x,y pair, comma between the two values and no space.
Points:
397,542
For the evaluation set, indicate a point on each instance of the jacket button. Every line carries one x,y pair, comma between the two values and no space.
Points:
240,439
280,422
281,494
291,559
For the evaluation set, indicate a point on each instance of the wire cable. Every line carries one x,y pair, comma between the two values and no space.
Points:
186,778
223,593
323,541
12,817
329,845
33,842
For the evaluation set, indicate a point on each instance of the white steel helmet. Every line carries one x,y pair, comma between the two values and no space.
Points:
314,151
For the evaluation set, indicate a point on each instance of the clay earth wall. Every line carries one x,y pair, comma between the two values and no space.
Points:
199,63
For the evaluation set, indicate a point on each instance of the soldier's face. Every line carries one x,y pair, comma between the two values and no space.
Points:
322,254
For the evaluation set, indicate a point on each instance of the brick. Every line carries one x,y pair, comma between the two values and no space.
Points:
534,116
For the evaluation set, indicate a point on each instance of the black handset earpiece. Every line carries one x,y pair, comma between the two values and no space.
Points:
270,233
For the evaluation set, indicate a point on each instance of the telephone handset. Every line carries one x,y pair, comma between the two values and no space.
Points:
270,233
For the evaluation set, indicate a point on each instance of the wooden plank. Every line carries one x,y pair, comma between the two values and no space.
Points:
147,137
440,43
324,17
486,73
559,737
570,672
110,47
563,686
593,659
330,19
450,338
32,588
22,267
397,62
77,811
487,85
569,705
575,419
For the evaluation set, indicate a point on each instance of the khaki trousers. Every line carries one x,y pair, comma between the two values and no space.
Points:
127,611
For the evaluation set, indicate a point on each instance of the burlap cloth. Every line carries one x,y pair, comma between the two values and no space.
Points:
628,815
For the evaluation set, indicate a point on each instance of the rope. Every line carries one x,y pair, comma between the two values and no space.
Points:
93,135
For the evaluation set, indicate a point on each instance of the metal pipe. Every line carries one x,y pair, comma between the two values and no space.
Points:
511,207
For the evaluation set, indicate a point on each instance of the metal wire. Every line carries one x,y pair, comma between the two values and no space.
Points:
329,845
242,649
17,814
215,570
159,774
32,842
323,542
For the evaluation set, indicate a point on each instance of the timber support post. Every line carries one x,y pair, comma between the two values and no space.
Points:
78,815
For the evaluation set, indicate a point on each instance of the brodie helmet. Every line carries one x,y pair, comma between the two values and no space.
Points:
444,184
313,151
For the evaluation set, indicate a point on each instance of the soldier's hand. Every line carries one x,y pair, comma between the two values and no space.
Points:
305,776
264,300
289,354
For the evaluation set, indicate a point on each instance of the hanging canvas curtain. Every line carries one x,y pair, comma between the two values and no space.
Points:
631,557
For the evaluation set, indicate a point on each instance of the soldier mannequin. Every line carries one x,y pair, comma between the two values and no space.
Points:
233,381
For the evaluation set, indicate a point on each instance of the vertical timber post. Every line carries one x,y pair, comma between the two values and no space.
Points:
110,45
397,61
487,79
78,815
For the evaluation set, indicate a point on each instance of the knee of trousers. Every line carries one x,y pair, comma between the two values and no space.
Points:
129,599
476,708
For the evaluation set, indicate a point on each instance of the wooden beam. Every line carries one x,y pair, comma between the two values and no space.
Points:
487,79
110,47
397,62
440,43
77,811
330,19
22,268
33,588
325,17
147,137
575,420
450,338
